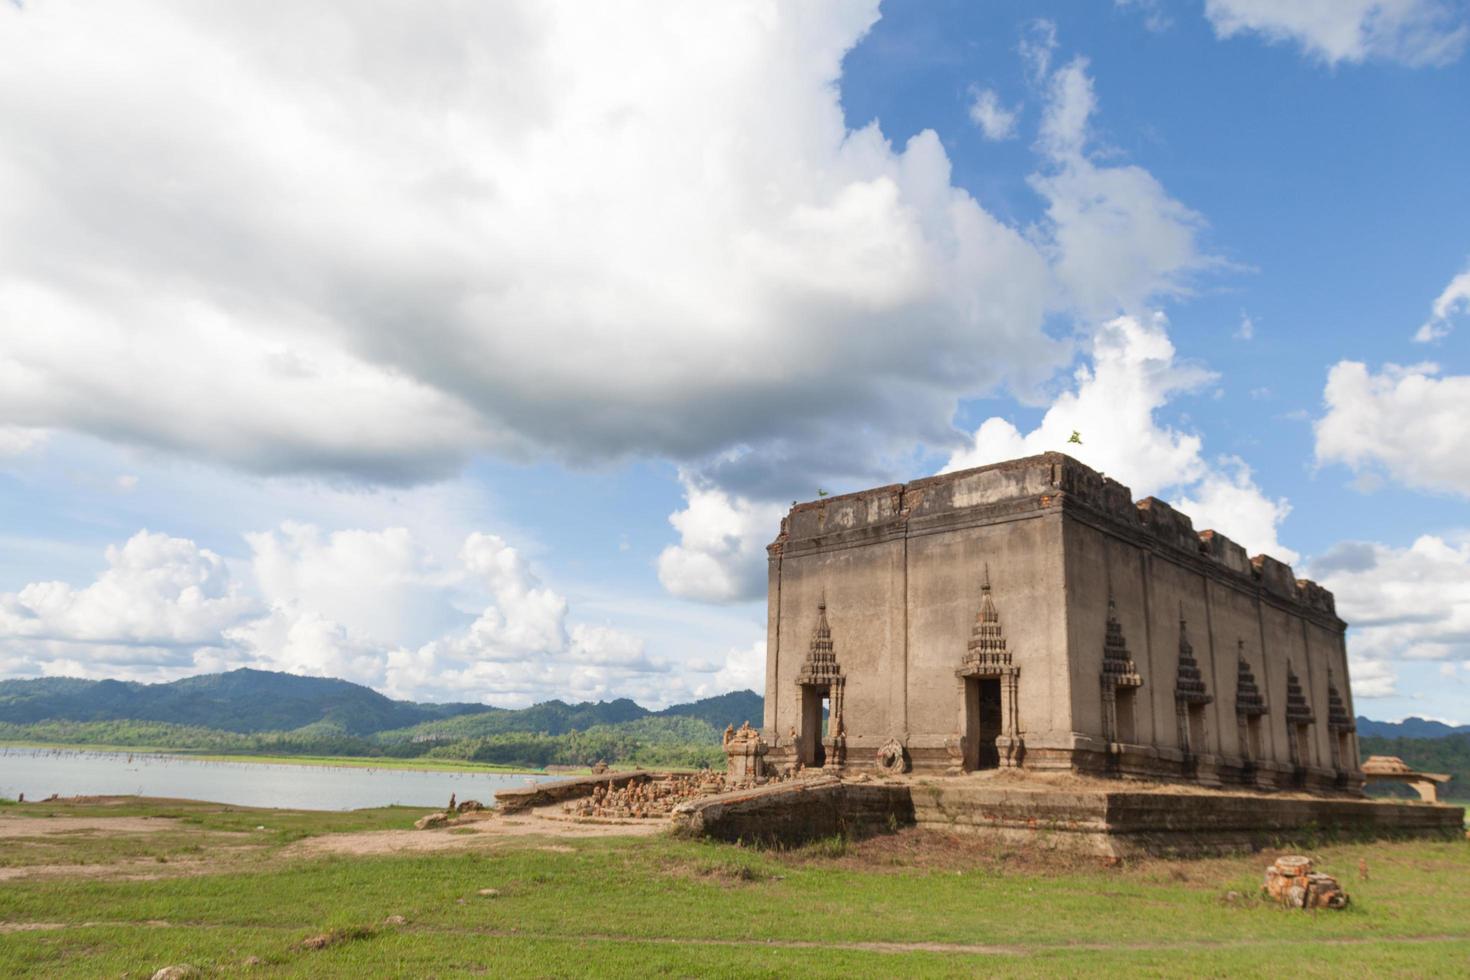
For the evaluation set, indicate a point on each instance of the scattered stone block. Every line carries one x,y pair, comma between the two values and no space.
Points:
180,972
432,821
470,806
1292,882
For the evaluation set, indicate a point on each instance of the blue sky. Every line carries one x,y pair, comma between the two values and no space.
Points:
475,355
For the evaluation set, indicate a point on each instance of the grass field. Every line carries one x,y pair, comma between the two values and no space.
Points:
124,889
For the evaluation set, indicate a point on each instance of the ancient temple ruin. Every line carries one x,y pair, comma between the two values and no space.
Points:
1030,615
993,651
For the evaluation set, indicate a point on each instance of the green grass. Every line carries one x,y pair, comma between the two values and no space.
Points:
661,906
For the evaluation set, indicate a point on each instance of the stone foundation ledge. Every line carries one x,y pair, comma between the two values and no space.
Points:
1113,822
1158,822
801,810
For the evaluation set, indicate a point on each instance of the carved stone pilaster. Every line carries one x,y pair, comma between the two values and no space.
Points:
1339,723
1249,703
1118,671
1189,691
1298,714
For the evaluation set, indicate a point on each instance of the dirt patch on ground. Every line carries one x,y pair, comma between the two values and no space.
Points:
22,826
488,828
137,870
8,927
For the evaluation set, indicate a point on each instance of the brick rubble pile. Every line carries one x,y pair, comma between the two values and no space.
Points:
656,797
1292,882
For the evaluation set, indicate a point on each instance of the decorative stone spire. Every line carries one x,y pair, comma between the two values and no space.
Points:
820,666
1248,699
1298,711
986,651
1119,670
986,656
1190,686
1338,719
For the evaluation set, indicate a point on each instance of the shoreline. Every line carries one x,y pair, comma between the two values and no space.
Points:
340,761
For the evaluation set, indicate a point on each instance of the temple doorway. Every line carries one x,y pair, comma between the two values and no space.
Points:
982,722
1303,741
1196,711
816,708
1126,733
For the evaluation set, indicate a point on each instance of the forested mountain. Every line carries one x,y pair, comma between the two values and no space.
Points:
254,701
239,701
1408,728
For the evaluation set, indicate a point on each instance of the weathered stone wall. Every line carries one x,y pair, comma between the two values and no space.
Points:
797,812
901,570
1116,824
1230,608
1161,823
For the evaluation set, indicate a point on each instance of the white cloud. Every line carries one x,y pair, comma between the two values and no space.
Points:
157,601
299,641
1372,678
721,552
994,119
1415,32
1114,239
335,604
1113,407
1407,423
1402,603
1154,17
1114,235
339,599
743,670
1037,46
383,584
1453,301
15,439
621,228
1227,498
1247,328
1133,374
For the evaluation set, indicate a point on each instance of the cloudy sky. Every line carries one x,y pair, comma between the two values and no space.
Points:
473,351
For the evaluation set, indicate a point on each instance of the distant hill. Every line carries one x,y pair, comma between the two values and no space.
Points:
239,701
252,701
1408,728
723,709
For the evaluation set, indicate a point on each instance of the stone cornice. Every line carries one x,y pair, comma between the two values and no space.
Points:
1039,486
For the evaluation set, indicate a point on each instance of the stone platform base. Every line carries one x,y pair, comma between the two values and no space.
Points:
798,811
1106,821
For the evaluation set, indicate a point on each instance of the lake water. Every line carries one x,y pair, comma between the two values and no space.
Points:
77,772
